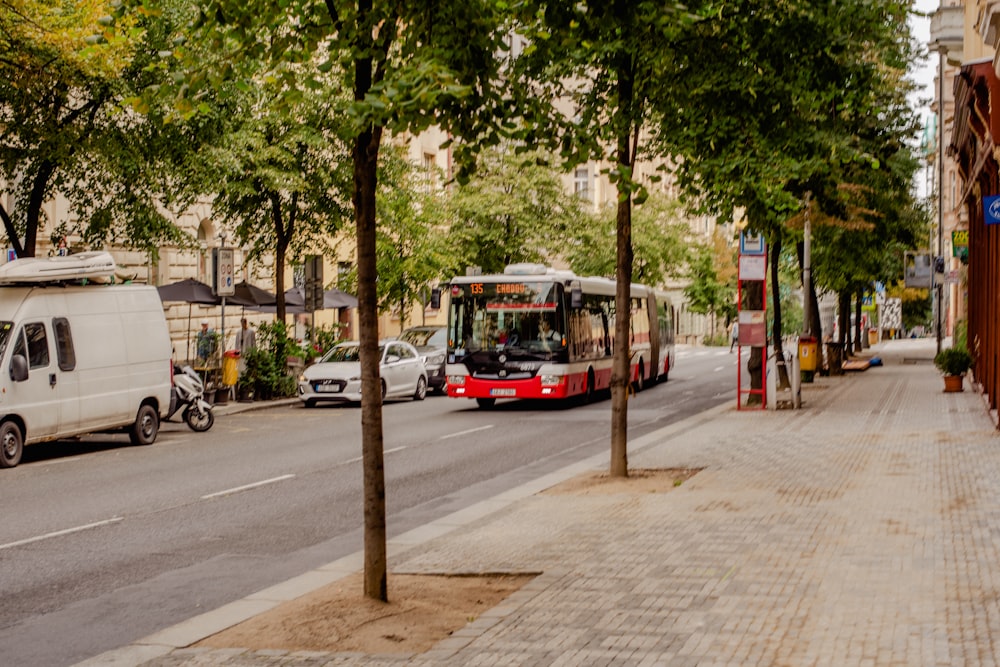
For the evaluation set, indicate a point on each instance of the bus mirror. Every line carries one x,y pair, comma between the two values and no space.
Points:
576,295
436,298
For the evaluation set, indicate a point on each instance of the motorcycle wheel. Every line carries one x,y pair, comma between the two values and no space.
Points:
197,422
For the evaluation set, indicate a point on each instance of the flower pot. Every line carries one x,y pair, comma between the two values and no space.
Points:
952,383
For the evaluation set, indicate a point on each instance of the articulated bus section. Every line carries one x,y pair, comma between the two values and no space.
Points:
535,332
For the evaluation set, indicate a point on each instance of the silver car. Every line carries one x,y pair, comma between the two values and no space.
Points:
432,343
337,376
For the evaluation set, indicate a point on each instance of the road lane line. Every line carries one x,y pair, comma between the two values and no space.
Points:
59,533
237,489
358,459
461,433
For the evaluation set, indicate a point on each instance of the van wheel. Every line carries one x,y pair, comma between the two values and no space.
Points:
11,445
146,426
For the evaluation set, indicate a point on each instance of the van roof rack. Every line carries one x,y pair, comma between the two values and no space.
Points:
34,270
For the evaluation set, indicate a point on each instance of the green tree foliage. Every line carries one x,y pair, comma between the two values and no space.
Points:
411,235
777,99
660,240
516,209
277,172
706,293
66,72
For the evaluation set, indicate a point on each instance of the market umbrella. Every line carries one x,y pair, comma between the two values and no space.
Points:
248,296
335,298
295,303
190,291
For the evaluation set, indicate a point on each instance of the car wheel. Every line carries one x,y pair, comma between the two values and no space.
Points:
11,444
384,389
421,392
486,403
309,403
145,427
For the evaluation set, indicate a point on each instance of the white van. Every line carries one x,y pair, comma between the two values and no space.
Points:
77,358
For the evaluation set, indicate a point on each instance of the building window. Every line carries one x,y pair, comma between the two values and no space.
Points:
954,189
581,183
430,168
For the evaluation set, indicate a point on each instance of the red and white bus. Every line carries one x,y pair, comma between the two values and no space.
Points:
535,332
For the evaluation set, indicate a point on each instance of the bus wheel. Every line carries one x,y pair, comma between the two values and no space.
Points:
486,403
588,395
640,380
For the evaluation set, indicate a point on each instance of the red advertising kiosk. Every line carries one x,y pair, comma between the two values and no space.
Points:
752,267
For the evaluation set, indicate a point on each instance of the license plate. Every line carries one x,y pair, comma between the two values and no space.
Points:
327,389
503,392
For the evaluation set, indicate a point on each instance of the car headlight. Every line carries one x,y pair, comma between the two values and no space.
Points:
303,378
435,359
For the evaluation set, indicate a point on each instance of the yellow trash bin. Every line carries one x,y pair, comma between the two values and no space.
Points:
230,368
808,353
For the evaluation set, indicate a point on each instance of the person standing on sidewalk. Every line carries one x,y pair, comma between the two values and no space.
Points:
246,340
734,335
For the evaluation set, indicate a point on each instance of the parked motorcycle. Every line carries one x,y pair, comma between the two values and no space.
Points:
188,394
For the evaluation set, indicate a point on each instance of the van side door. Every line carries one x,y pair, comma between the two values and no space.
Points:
67,380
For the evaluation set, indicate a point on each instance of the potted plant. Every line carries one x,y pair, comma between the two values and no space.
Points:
954,363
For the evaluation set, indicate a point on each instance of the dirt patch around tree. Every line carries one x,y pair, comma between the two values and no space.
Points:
422,610
641,480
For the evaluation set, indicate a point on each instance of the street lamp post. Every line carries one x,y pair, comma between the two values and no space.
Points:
939,287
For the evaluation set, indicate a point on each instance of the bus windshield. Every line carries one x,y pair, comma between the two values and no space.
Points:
526,317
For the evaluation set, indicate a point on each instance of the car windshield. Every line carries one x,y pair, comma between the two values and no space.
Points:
351,352
425,337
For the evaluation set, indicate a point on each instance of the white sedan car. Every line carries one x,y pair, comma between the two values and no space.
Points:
337,376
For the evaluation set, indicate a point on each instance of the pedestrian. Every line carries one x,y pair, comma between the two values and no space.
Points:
734,336
205,343
246,338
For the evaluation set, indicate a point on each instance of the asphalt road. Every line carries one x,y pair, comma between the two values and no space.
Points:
103,543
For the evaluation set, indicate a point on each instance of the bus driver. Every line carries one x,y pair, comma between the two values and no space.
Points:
548,335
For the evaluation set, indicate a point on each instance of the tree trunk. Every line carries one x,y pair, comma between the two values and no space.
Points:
779,355
365,159
620,366
859,343
843,317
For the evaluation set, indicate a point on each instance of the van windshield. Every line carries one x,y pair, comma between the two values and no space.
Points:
5,329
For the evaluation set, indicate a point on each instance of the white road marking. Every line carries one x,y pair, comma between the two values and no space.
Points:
358,459
237,489
59,533
461,433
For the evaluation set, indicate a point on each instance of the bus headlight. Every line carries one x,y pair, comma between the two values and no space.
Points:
456,380
552,380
